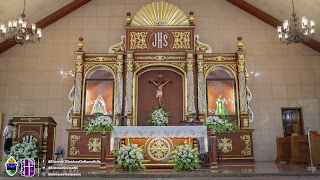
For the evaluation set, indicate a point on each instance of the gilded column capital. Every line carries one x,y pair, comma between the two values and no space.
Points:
190,59
129,63
119,55
190,63
129,54
200,66
241,61
119,66
200,55
129,60
241,65
79,66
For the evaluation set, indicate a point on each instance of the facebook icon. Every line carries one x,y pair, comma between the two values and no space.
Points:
27,167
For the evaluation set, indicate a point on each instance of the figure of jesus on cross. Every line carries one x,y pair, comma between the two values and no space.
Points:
160,85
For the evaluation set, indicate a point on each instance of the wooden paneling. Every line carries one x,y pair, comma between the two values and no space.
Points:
172,96
283,149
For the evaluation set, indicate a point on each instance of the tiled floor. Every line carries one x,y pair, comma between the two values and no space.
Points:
226,171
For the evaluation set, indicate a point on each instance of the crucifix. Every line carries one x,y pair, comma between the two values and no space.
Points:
160,85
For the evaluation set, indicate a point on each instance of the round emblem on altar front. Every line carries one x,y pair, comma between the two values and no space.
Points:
158,149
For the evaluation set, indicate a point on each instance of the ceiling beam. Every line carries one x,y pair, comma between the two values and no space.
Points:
265,17
5,45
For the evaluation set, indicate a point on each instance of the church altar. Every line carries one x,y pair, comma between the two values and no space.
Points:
160,62
159,141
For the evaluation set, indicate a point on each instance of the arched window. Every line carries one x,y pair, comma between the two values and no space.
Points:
99,92
221,92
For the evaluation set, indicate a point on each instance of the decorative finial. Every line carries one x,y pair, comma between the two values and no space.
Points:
128,19
80,44
240,44
191,18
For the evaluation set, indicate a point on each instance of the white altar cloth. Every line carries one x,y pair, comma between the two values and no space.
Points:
159,131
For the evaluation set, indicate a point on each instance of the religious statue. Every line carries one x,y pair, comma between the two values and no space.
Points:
221,109
160,85
99,106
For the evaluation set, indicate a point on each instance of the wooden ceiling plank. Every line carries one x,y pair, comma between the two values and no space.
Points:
5,45
265,17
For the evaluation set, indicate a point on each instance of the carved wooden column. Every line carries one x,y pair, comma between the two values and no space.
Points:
45,141
76,112
213,149
201,88
119,88
103,164
129,89
190,86
244,116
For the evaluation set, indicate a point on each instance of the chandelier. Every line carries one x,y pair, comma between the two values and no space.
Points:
18,31
296,30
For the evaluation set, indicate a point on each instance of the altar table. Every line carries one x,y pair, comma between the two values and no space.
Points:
159,141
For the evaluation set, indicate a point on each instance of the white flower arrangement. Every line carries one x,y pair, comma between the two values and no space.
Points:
26,149
220,124
98,123
184,157
159,117
130,157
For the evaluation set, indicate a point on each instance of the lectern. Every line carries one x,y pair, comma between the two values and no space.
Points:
41,128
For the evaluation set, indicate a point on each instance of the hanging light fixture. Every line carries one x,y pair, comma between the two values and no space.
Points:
296,30
19,32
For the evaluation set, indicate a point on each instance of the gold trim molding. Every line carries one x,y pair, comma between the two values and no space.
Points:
73,140
30,119
113,66
220,58
232,67
247,150
100,59
160,58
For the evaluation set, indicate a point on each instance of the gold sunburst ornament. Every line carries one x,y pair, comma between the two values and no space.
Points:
160,14
159,149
